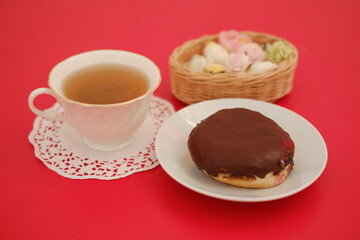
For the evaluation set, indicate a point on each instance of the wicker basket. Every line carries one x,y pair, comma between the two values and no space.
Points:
190,87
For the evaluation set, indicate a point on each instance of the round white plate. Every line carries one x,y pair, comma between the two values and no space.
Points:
171,148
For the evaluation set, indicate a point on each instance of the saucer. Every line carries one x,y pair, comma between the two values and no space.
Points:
63,150
171,148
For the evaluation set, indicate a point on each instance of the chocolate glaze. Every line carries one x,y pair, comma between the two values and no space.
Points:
240,142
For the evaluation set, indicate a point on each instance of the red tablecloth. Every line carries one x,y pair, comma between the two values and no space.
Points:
37,203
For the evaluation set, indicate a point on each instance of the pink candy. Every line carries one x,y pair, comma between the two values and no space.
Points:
231,40
253,51
237,62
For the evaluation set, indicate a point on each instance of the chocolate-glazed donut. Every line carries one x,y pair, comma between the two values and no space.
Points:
242,147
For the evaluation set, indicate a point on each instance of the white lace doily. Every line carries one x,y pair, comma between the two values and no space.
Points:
62,150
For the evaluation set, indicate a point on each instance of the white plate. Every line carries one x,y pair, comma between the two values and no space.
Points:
171,148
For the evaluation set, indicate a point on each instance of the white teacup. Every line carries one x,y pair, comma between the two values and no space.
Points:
105,127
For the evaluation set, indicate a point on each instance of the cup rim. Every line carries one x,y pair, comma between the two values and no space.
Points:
147,93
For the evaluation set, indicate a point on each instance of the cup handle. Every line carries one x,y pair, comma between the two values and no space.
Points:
52,115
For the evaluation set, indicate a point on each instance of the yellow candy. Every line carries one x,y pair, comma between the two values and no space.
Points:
215,68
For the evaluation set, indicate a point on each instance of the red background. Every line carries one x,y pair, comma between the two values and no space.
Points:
37,203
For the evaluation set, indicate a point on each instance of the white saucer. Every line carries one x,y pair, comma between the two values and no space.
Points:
63,150
171,148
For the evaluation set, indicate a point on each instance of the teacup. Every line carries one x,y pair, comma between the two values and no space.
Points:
105,127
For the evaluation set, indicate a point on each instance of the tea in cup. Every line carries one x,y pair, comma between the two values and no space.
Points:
105,95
